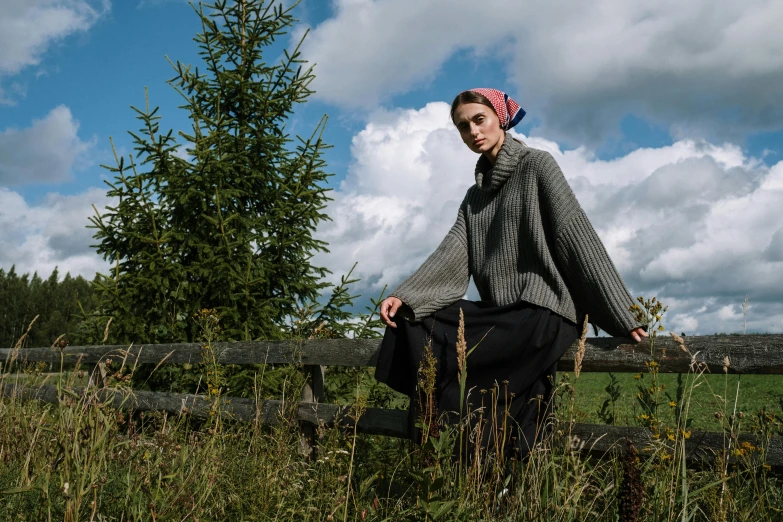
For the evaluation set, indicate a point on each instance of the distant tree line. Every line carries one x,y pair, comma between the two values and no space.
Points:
61,306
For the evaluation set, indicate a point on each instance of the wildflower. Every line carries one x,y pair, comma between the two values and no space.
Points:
673,404
686,434
637,376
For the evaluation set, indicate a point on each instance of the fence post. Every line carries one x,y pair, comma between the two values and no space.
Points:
313,391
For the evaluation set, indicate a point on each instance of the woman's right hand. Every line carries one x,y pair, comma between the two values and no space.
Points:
389,307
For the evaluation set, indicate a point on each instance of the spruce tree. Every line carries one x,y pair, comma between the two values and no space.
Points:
59,305
221,216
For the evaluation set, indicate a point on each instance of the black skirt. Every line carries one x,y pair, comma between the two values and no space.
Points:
515,362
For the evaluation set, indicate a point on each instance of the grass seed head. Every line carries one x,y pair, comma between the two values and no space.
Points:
462,345
580,352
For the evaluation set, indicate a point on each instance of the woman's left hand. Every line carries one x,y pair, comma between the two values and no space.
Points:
638,333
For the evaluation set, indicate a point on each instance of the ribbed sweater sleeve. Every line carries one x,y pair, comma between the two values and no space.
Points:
442,279
592,278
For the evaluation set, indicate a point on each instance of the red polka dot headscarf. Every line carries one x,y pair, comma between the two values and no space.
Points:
509,112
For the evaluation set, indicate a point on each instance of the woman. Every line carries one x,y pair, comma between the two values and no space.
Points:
537,263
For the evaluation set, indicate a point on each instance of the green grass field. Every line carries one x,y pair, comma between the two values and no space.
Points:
756,392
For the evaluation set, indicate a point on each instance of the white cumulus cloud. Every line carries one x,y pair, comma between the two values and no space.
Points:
29,27
705,67
52,233
46,152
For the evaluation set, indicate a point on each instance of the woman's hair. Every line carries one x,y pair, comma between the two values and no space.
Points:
469,97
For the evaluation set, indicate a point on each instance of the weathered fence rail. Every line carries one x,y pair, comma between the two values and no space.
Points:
753,354
747,354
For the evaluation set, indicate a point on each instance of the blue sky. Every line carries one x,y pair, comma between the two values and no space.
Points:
640,104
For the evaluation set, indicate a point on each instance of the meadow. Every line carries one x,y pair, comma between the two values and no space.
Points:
84,459
756,392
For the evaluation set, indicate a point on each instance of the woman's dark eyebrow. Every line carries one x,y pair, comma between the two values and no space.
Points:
468,119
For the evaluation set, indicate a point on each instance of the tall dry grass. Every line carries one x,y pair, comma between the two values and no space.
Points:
84,459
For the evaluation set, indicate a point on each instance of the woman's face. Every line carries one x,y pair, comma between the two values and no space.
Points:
479,128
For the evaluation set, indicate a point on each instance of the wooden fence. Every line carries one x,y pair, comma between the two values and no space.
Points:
747,354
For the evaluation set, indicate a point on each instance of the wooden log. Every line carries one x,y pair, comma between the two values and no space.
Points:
593,438
376,421
328,352
748,354
198,406
312,392
701,446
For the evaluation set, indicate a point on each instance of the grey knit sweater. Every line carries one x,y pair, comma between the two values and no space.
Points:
522,235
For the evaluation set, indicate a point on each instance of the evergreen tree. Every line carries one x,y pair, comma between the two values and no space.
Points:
59,305
230,227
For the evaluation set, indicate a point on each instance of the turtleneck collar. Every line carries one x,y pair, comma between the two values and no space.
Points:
489,177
